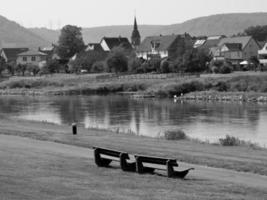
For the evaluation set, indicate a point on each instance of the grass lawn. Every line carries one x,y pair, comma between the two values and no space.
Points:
30,170
239,158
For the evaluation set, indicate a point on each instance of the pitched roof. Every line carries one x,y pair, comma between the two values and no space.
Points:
47,48
215,37
117,41
11,53
32,53
243,40
94,47
234,46
212,41
199,43
261,43
164,42
209,42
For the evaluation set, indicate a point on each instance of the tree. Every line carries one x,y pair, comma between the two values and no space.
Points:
134,65
34,69
165,66
117,60
195,61
52,66
11,67
70,42
259,33
2,65
255,61
21,69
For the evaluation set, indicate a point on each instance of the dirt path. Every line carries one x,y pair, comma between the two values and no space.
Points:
201,172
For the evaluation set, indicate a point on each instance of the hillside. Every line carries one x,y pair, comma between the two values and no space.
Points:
14,35
227,24
96,33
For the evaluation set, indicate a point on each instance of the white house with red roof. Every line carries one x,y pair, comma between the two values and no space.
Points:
32,57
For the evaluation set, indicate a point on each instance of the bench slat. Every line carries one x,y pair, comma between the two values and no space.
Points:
156,160
109,152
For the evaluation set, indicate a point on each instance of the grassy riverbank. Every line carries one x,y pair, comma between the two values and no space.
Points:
32,169
67,84
239,158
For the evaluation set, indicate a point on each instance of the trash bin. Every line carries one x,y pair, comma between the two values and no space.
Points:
74,128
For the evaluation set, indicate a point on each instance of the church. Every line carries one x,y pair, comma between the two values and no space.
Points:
135,38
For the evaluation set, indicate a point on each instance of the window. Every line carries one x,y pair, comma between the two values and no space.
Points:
33,58
155,44
24,59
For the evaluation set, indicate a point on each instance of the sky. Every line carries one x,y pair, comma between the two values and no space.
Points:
90,13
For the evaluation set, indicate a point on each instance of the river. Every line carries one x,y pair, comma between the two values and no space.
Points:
150,117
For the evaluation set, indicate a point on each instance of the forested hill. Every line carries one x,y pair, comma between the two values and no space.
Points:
14,35
228,24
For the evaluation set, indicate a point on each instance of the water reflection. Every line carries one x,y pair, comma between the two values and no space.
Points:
151,117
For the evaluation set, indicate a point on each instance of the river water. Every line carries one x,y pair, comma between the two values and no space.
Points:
149,117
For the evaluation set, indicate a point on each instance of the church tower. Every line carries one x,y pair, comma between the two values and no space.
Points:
136,38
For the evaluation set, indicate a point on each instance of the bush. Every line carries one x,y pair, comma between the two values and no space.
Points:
21,69
29,83
33,69
229,141
165,67
175,135
134,65
98,67
225,69
215,70
222,86
187,87
154,65
117,60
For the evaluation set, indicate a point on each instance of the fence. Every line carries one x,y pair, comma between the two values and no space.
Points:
145,76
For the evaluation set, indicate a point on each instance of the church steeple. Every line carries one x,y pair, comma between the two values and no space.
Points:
136,38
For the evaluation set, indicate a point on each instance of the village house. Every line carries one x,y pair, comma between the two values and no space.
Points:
208,44
164,46
31,57
89,49
49,51
236,49
262,55
108,43
94,47
10,54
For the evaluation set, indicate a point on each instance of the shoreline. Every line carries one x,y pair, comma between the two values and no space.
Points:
224,96
238,86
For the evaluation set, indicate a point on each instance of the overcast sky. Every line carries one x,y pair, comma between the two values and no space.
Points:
89,13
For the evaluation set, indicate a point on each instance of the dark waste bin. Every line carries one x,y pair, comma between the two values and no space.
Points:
74,128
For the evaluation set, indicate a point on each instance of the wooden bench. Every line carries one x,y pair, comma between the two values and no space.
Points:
169,163
113,155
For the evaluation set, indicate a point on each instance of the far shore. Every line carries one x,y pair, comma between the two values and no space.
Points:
241,86
238,158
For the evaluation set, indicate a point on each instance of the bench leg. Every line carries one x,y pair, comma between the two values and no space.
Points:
141,169
139,166
101,162
176,174
182,174
126,166
170,170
